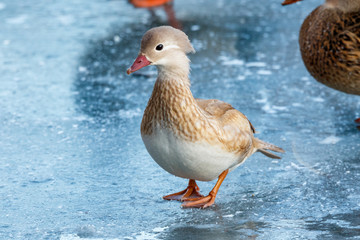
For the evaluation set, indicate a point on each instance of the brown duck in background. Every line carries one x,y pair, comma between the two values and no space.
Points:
330,44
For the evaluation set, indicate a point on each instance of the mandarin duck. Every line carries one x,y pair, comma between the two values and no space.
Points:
191,138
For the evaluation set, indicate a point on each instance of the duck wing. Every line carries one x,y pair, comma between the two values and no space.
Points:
238,130
224,112
234,130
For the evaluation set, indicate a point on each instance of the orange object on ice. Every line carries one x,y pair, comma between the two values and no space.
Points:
148,3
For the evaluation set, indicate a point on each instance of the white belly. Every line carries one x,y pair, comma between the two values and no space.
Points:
192,160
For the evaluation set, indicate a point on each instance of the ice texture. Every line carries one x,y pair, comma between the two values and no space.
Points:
72,162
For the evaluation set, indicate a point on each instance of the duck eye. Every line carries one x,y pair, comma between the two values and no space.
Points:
159,47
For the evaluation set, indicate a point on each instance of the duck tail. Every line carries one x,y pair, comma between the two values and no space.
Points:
262,146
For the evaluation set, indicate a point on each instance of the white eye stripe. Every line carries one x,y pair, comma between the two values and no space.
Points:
171,47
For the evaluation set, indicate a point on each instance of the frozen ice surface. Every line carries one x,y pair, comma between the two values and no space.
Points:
72,163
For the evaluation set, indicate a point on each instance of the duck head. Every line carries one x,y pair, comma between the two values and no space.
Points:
164,47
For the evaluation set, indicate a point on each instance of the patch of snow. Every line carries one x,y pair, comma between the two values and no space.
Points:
318,99
304,79
280,108
263,100
69,237
330,140
267,108
82,69
146,236
117,38
237,62
241,78
76,237
160,229
264,72
256,64
66,19
195,28
295,165
17,20
276,67
297,104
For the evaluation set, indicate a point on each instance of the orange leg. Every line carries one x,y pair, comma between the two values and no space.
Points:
204,202
191,192
169,10
287,2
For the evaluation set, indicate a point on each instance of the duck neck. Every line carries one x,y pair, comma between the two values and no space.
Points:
172,88
171,105
176,70
344,5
